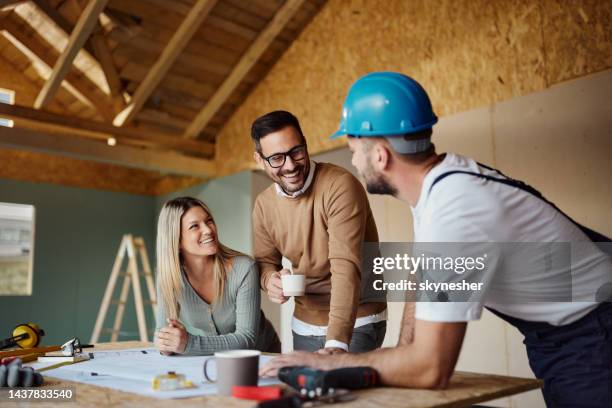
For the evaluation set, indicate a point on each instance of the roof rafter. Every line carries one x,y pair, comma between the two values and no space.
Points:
79,35
78,128
58,19
170,53
15,26
96,45
241,69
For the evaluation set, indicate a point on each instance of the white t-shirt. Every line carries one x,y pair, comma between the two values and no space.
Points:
465,208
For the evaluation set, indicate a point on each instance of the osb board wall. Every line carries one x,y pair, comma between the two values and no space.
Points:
46,168
466,53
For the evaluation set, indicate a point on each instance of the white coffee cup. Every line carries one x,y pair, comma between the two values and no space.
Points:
293,285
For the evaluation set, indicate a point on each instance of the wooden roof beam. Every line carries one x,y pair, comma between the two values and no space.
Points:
92,150
105,59
79,128
163,64
96,45
79,35
241,69
46,54
57,18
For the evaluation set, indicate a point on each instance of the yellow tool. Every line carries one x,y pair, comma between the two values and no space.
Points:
25,335
70,348
171,381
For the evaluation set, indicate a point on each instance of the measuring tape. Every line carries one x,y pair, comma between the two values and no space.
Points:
171,381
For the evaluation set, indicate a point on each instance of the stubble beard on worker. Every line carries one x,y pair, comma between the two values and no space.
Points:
377,183
292,188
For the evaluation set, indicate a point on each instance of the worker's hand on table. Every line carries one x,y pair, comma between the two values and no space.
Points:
274,287
330,350
297,358
172,338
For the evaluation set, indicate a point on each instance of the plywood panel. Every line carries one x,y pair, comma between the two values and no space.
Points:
45,168
467,54
169,184
577,38
468,133
559,141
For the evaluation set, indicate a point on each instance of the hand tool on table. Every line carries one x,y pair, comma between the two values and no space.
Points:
70,348
26,335
312,382
318,387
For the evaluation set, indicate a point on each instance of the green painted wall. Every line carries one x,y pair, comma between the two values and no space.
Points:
77,235
229,199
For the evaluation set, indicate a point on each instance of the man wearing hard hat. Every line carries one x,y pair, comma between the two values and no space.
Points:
388,119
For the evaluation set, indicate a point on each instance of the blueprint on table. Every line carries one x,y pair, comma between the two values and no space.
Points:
133,371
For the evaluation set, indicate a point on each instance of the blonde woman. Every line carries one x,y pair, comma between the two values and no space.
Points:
208,294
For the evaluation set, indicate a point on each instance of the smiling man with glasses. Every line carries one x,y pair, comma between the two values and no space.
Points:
317,216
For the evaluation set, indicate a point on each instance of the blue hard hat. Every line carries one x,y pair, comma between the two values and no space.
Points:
385,104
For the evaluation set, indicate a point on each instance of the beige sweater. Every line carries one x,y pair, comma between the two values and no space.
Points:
321,232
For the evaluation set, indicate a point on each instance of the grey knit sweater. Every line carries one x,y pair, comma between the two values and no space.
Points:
235,322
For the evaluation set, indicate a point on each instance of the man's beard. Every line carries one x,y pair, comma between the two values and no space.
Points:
292,189
378,184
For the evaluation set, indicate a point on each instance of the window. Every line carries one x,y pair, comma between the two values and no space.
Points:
6,96
16,248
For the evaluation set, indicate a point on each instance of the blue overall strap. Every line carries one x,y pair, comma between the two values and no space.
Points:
593,235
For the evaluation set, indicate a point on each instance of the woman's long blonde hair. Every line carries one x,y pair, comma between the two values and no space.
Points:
169,258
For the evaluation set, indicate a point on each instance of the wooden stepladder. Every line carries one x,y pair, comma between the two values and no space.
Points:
133,247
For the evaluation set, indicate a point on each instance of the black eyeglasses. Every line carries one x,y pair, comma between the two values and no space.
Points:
278,159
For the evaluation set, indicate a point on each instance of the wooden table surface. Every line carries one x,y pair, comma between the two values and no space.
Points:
465,389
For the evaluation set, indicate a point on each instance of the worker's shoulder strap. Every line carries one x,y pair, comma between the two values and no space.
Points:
593,235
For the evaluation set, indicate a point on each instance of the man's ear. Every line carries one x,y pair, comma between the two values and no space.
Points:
259,160
382,157
388,156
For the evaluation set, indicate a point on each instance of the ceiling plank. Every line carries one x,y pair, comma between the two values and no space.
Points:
79,35
134,72
166,162
243,66
79,128
162,118
174,48
57,18
19,29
